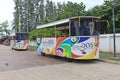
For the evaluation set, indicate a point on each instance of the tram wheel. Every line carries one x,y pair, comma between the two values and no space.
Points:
68,60
42,53
12,48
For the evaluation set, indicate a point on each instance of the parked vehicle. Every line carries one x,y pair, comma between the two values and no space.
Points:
20,41
78,38
5,40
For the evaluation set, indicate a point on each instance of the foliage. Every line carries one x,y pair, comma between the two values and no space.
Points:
71,10
60,11
101,11
30,13
105,13
4,28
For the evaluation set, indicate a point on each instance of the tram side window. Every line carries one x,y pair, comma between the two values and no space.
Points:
72,29
62,31
97,28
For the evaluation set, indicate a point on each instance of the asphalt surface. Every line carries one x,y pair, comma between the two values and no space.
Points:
28,65
13,60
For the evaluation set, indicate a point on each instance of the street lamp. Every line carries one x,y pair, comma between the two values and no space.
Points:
112,3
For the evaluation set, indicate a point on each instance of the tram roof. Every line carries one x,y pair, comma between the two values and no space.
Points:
63,21
21,32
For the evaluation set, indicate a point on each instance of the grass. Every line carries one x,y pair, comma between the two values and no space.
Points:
109,56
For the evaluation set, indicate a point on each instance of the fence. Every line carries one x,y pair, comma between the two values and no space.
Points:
32,43
106,43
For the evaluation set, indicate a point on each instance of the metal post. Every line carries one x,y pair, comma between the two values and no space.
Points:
112,3
27,25
113,22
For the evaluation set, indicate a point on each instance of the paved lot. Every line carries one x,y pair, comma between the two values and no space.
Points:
34,67
12,60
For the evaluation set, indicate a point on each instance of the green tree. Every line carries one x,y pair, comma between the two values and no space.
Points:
49,10
41,11
105,13
16,16
28,14
71,10
4,28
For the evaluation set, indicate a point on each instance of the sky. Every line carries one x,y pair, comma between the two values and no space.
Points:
7,7
6,10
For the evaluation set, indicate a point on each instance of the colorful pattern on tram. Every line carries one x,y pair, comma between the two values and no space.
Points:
21,44
70,47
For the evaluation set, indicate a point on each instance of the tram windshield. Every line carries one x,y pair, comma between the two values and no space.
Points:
85,27
21,36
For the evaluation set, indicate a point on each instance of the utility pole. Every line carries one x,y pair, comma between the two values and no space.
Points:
113,22
112,4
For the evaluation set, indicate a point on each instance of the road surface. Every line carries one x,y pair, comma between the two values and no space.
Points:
27,65
12,59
